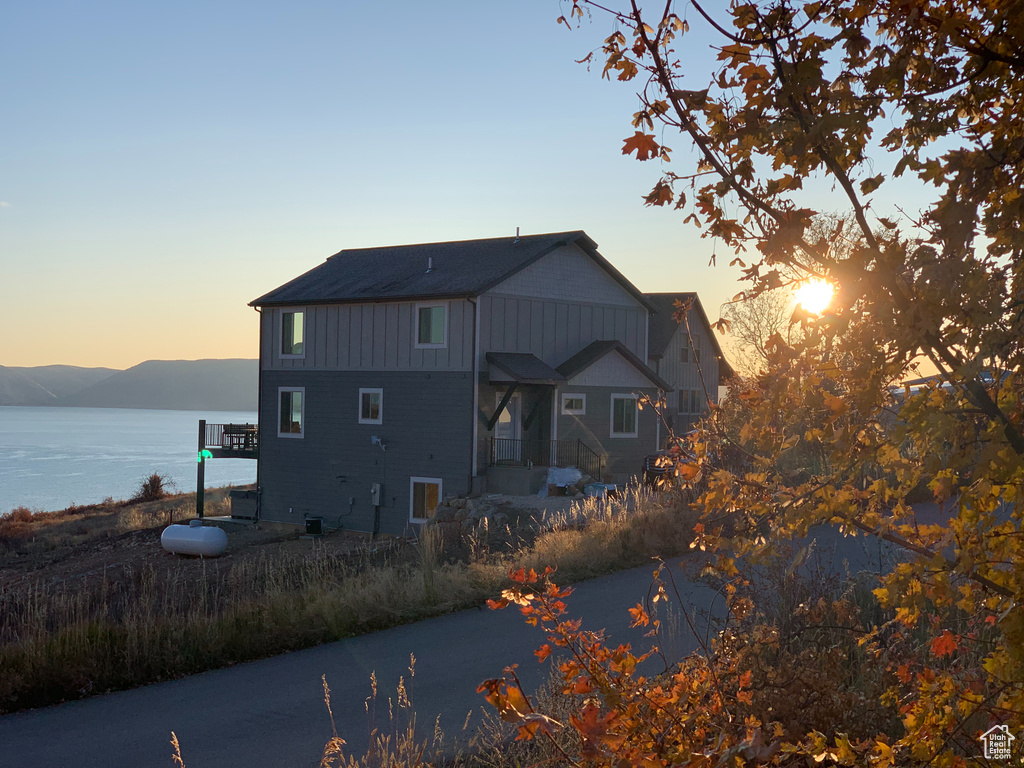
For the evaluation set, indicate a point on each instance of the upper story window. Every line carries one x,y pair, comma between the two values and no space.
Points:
371,406
431,325
292,333
290,414
574,404
624,412
684,355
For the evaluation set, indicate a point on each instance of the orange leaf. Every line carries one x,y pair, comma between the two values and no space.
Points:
543,652
643,144
640,617
944,644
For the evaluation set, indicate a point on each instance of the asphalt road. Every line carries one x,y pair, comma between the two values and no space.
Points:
271,713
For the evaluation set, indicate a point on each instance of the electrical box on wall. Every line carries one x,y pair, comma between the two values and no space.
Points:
375,494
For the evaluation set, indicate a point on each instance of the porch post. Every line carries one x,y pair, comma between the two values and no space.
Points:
201,470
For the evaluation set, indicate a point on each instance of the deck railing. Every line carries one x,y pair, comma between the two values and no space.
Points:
233,437
546,453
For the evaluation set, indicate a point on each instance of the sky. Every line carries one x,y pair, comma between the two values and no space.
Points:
164,164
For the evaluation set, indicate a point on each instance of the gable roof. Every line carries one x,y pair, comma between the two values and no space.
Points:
663,326
427,271
594,351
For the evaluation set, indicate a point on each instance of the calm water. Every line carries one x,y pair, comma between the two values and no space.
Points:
51,458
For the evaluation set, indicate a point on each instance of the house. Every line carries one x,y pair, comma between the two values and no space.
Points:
391,377
687,355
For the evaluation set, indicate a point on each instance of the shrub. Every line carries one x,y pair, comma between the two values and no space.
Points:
151,489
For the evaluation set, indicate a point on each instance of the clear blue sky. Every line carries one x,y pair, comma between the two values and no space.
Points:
162,164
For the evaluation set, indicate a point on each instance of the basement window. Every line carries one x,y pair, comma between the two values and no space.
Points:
424,496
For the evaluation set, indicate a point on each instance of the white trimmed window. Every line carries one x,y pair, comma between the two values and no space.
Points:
431,326
624,416
290,404
574,404
293,333
684,354
371,406
424,496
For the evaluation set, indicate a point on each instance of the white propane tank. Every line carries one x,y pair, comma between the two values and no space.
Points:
194,539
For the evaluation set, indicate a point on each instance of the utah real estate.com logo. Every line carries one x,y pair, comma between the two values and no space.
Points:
997,741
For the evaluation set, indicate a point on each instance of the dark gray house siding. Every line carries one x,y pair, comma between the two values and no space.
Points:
622,456
328,472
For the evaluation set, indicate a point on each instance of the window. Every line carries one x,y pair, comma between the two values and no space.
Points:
424,495
696,355
292,334
371,406
290,402
683,401
698,401
574,404
623,416
684,355
431,325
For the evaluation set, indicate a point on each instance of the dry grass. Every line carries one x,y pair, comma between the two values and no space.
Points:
25,530
134,626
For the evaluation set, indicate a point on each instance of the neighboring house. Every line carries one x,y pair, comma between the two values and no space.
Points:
391,377
691,362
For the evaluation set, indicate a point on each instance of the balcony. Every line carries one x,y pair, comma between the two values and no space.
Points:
232,441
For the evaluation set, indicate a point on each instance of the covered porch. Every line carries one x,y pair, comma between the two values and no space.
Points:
519,444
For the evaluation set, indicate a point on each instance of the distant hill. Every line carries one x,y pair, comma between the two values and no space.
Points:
45,385
187,385
191,385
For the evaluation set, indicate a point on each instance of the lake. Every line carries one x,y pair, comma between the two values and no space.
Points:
53,457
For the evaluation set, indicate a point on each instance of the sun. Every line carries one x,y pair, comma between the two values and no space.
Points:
815,295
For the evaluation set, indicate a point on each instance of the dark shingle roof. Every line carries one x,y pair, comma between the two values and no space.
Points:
524,367
594,351
663,326
461,268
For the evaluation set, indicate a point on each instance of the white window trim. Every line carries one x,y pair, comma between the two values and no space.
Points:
359,405
302,412
412,483
280,331
636,416
574,411
416,324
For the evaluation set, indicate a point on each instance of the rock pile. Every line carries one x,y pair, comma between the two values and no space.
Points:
457,515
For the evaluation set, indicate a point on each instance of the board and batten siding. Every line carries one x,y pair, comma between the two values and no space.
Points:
685,375
373,336
557,306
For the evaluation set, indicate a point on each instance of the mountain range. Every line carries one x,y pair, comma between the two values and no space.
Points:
212,385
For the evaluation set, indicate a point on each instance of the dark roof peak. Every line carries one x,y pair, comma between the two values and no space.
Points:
424,271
